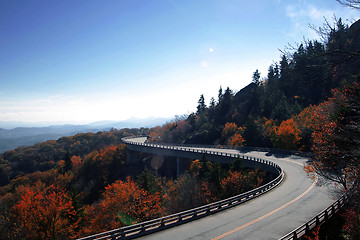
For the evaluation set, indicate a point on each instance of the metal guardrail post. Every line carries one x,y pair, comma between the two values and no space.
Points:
307,228
317,220
326,215
295,235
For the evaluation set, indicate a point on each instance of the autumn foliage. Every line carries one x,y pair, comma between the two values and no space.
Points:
337,136
239,182
229,130
287,135
123,203
47,155
236,140
46,213
233,135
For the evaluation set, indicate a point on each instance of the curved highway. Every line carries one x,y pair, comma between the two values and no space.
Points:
295,201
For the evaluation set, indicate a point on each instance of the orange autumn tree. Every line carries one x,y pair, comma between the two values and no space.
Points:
287,135
307,118
233,135
238,182
195,167
76,164
45,214
237,139
306,121
294,133
123,203
229,130
154,134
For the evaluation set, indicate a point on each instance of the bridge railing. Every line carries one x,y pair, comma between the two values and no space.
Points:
200,150
240,148
316,221
162,223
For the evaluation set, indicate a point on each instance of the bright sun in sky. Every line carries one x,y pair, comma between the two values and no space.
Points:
84,61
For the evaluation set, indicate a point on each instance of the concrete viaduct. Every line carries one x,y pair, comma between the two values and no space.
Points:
187,152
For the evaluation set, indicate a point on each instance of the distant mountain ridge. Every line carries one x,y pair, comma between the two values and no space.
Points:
26,136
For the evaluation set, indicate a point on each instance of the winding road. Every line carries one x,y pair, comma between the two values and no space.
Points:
272,215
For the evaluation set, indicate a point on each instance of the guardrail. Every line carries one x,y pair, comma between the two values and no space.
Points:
162,223
202,151
316,221
240,148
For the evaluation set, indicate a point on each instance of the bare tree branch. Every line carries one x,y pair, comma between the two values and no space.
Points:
350,3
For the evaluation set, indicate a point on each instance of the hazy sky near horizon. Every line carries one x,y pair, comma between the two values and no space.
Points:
84,61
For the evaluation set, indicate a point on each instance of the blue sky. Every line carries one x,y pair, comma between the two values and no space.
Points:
85,61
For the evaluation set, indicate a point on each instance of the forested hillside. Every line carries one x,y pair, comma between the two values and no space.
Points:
47,155
275,110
